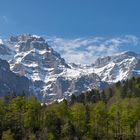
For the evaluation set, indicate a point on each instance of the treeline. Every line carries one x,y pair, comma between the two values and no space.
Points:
112,114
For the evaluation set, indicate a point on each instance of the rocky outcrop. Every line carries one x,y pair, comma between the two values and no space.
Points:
10,82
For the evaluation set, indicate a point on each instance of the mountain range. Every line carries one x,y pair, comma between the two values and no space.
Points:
42,72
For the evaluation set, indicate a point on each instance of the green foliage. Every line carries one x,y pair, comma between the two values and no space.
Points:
78,118
7,135
112,114
31,115
98,120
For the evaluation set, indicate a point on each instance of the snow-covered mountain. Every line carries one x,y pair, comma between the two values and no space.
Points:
118,67
52,78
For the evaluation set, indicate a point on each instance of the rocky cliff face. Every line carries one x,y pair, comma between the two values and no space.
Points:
10,82
51,78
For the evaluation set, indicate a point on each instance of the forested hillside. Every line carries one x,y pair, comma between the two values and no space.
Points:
113,114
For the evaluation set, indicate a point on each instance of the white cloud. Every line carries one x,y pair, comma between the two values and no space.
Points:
87,50
1,42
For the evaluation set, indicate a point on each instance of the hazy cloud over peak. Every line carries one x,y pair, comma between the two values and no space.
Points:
87,50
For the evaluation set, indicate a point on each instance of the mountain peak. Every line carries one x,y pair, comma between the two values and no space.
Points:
26,37
131,53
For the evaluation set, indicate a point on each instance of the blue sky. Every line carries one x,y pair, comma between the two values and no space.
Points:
80,30
70,18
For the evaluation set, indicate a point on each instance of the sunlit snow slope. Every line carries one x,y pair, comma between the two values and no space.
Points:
51,78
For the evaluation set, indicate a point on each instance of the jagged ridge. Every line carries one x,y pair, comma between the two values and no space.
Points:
52,78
